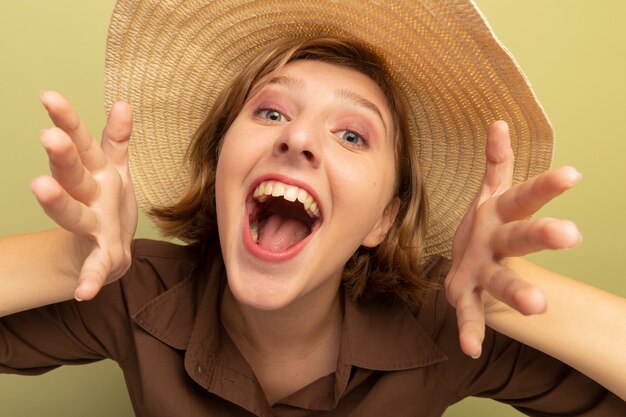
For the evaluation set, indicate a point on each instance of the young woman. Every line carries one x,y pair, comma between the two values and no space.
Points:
320,296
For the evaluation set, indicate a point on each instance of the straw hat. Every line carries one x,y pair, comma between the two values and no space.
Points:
171,58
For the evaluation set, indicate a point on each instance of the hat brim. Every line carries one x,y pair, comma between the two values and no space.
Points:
171,58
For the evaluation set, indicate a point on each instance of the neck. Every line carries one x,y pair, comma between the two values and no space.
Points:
290,333
287,348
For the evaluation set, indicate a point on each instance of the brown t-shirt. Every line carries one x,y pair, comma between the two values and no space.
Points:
160,322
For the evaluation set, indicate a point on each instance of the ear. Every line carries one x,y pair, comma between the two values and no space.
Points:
382,226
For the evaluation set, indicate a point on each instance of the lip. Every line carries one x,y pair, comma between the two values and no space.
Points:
264,254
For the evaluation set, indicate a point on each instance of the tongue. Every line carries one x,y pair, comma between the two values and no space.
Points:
278,233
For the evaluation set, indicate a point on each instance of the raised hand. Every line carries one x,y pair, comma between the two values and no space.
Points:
496,227
89,192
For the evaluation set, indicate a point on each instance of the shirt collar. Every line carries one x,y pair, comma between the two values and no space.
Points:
385,336
376,336
186,317
171,315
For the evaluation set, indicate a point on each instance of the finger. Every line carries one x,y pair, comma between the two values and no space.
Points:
503,284
116,134
119,124
523,237
525,199
471,323
497,179
65,117
66,166
500,160
61,207
89,285
93,276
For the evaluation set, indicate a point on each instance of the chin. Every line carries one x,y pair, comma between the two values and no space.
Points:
263,292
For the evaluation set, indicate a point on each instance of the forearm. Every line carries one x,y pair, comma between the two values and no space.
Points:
583,326
38,269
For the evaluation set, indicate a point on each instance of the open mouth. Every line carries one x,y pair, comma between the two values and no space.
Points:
281,215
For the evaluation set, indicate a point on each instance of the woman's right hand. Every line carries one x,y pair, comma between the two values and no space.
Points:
89,192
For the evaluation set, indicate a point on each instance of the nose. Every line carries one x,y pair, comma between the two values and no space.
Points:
300,142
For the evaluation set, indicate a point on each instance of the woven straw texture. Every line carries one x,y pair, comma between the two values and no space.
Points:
171,58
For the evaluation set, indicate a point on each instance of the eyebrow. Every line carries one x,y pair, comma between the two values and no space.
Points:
282,80
287,81
355,98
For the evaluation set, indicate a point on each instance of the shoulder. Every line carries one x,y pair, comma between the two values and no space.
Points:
167,262
434,308
148,249
159,266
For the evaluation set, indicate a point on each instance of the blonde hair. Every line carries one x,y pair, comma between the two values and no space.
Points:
391,270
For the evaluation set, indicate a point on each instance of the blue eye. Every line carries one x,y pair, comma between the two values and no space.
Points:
351,137
272,115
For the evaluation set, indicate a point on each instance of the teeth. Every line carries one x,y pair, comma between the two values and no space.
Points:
278,190
302,196
313,210
258,191
307,202
254,231
289,193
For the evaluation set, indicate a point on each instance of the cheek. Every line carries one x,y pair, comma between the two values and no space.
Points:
227,150
232,159
366,189
221,174
240,151
243,144
227,177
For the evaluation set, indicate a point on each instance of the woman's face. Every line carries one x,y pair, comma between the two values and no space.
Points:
305,176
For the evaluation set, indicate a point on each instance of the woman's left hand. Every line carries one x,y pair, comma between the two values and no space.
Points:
496,227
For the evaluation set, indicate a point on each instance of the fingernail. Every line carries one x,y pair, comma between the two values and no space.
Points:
477,356
76,297
575,176
42,99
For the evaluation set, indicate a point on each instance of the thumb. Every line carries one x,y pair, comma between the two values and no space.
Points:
93,275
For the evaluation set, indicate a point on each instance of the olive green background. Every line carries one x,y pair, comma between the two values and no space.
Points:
571,50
